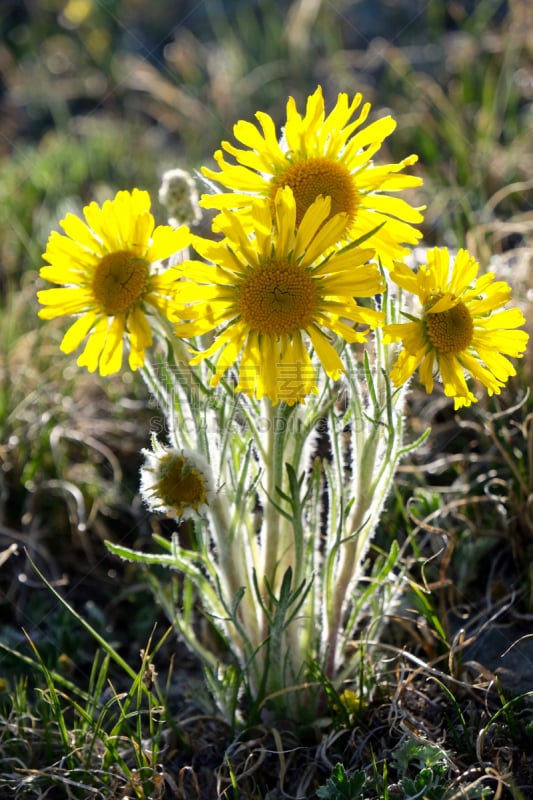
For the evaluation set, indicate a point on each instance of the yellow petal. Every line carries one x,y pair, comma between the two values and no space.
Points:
250,365
240,178
347,261
395,207
91,354
80,233
326,237
426,369
405,277
266,379
111,356
444,303
230,353
136,359
63,253
375,133
313,218
342,330
295,373
358,284
329,358
129,214
232,200
285,219
480,373
77,332
139,329
438,262
248,134
404,366
167,241
511,318
452,376
465,269
63,302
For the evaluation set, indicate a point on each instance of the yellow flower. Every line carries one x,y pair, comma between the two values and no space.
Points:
323,155
457,331
265,290
106,272
351,701
176,482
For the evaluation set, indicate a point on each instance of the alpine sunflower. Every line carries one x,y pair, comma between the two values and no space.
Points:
109,280
323,155
460,329
268,290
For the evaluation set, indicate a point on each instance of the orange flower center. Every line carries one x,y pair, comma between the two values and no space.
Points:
450,331
119,281
278,298
312,177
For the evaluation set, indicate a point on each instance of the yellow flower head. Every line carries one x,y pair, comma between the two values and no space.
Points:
460,329
323,155
351,701
264,290
105,268
176,482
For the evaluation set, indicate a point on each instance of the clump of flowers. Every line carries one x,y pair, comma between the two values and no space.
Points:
287,350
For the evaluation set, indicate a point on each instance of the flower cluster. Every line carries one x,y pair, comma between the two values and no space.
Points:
299,308
286,274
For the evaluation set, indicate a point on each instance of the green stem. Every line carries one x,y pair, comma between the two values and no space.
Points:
273,479
360,527
228,560
377,449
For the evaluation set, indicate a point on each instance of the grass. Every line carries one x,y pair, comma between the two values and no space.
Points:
109,100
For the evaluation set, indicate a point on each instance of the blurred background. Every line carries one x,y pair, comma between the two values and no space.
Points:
97,95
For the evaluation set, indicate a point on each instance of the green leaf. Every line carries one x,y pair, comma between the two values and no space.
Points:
342,787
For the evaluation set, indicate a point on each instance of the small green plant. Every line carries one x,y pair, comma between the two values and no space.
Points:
423,772
341,787
430,766
426,774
